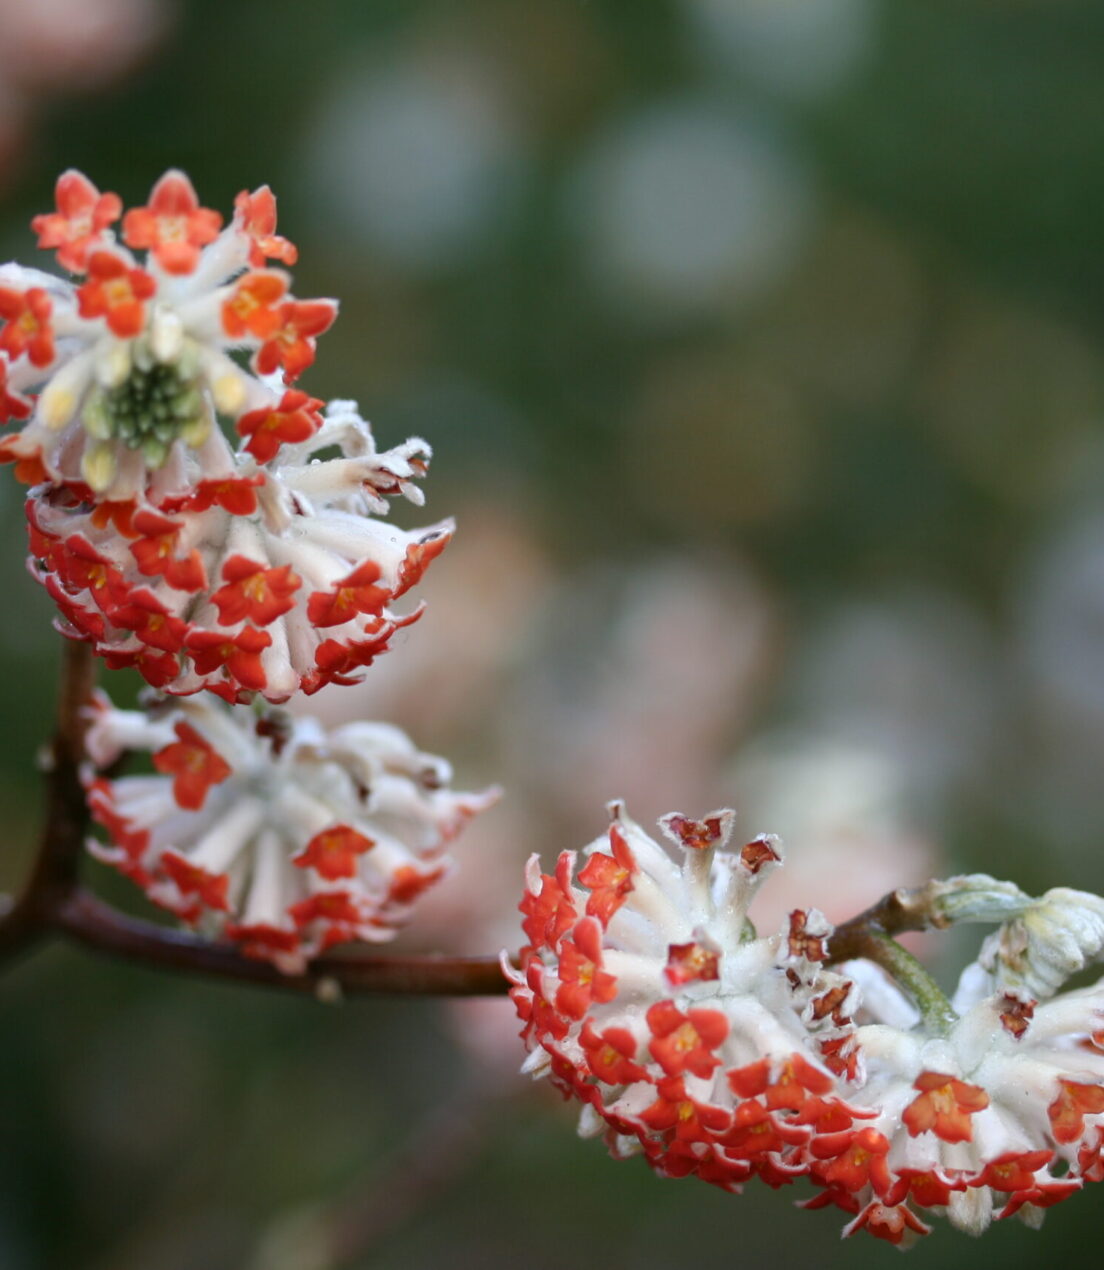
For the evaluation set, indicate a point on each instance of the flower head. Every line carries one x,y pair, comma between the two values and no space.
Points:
1002,1115
269,831
131,359
997,1108
645,994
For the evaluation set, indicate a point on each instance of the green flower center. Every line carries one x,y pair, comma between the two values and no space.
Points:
149,410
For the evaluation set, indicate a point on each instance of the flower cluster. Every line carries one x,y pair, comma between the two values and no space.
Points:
241,570
645,993
132,360
1000,1115
266,830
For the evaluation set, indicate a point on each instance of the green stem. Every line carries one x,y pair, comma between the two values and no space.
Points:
935,1010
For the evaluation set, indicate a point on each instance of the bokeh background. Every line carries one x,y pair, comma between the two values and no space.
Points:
761,343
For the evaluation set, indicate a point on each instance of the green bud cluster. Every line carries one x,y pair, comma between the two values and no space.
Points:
154,405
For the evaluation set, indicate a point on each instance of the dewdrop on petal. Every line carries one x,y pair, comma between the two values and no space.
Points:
130,359
645,994
268,831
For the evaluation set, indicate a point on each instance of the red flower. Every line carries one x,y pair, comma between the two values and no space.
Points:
86,620
28,471
930,1188
83,213
351,596
944,1106
234,494
253,592
409,882
120,515
260,939
685,1042
154,552
333,853
156,668
776,1171
859,1158
887,1222
756,1132
1068,1111
210,888
1014,1171
675,1109
1090,1160
610,1055
609,877
550,912
419,556
194,765
296,418
115,292
83,568
255,215
797,1083
133,842
28,330
692,961
148,618
240,654
1042,1195
173,225
337,660
829,1115
330,906
251,308
546,1018
582,978
291,342
712,1167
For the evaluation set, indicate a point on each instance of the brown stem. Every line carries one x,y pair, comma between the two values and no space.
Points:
92,922
907,908
66,811
57,861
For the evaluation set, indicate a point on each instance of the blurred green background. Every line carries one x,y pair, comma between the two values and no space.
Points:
760,344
